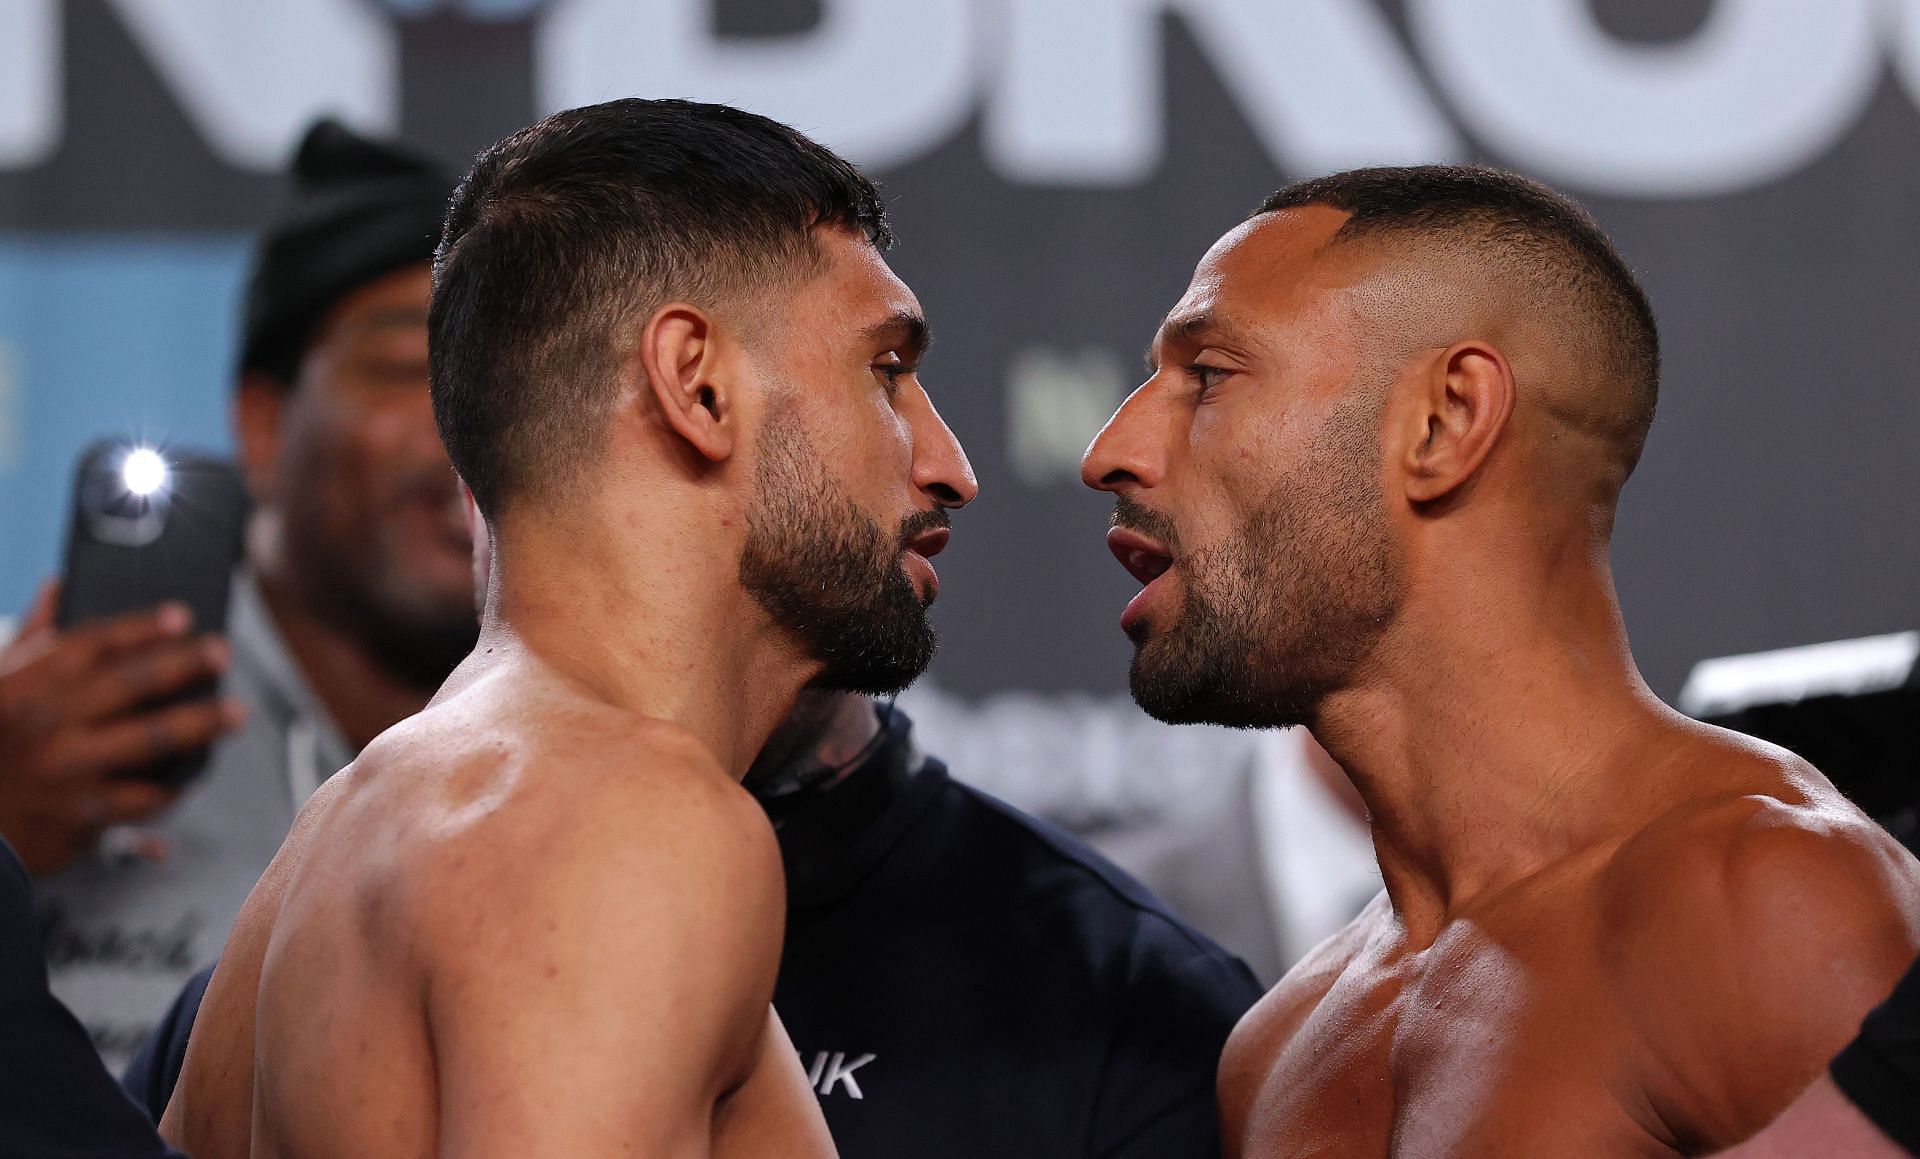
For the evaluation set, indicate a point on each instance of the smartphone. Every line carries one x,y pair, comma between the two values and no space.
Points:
153,524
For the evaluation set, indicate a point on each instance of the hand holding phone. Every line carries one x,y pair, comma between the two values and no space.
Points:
154,526
83,708
108,699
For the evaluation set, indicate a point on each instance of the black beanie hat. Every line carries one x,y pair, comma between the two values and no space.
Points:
359,209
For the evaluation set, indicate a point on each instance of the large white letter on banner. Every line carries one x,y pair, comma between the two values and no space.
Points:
1079,95
1761,89
1904,25
29,81
880,81
252,73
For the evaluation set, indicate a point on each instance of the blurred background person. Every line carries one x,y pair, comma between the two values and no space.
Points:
353,605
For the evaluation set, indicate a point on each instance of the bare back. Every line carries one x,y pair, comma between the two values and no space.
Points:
523,923
1665,994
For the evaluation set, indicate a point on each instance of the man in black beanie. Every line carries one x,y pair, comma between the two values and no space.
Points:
354,603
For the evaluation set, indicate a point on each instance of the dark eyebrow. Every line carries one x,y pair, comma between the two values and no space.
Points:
903,332
1200,328
1194,327
1184,328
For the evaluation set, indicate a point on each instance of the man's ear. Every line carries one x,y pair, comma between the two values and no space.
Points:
680,355
259,409
1464,398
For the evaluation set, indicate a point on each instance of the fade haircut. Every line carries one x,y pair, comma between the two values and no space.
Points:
568,232
1542,241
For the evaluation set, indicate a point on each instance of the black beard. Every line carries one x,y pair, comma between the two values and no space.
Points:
828,573
424,652
416,641
1282,613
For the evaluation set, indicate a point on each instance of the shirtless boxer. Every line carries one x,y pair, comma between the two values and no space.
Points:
542,918
1370,486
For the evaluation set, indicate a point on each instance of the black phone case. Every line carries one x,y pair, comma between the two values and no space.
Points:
126,555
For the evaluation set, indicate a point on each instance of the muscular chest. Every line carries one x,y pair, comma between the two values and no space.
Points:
1467,1050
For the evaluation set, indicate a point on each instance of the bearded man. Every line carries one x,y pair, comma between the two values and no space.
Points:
353,605
1370,487
543,917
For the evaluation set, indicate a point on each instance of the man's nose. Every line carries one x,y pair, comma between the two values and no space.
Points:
1128,452
940,467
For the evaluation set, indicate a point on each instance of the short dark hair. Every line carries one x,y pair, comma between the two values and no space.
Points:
1526,226
568,229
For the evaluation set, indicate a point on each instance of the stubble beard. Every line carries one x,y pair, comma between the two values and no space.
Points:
1286,609
829,573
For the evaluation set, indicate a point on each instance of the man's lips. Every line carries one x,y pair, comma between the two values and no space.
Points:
1146,560
930,542
1143,557
914,556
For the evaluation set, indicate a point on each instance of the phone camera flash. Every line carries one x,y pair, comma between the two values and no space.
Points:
144,471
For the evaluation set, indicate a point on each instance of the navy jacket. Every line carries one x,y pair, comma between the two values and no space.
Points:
56,1099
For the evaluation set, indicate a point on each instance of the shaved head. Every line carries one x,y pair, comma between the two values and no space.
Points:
1369,386
1459,251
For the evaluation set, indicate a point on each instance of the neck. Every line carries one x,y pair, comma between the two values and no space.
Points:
361,696
1513,751
678,641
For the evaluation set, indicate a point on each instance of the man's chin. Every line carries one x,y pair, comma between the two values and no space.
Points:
872,679
1164,701
1205,694
878,652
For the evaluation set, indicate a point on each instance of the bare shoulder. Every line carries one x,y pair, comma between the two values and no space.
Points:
1266,1029
210,1112
536,795
1747,932
516,749
1780,847
595,909
1285,1006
